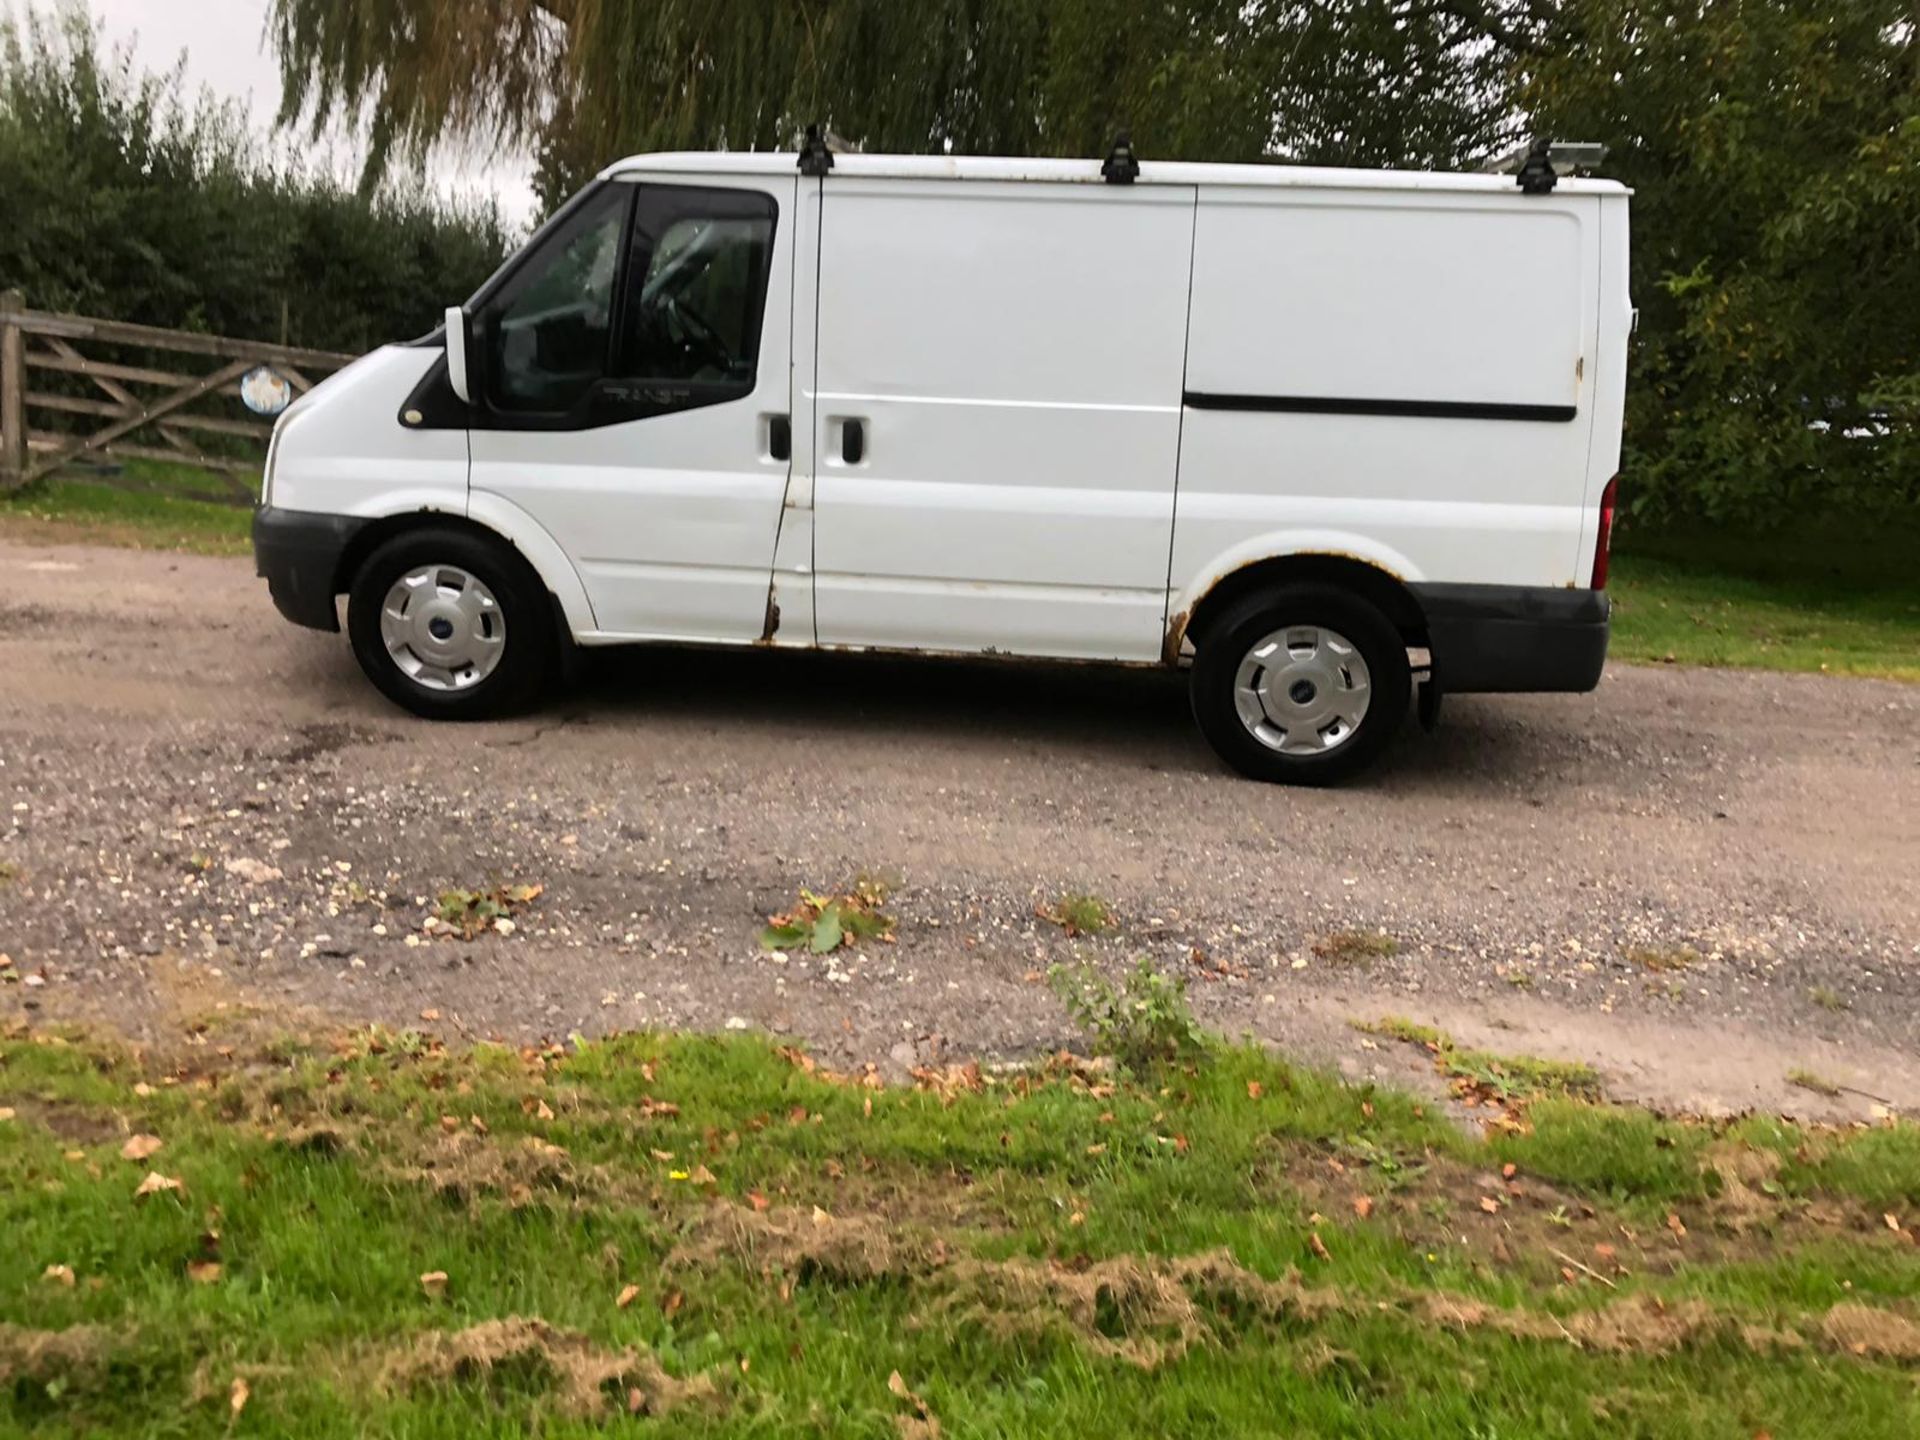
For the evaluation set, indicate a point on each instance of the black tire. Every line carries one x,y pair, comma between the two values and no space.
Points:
526,662
1231,636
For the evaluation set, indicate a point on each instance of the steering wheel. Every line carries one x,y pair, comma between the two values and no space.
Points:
697,336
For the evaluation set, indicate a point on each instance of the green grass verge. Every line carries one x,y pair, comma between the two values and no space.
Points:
1844,599
711,1234
147,505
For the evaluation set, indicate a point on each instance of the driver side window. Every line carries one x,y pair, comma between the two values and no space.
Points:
647,299
696,287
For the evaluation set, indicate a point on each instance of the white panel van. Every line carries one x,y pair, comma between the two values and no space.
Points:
1298,430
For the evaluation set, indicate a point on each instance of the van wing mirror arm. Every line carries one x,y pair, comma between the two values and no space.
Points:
458,371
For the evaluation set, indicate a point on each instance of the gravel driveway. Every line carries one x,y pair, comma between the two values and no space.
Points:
1697,880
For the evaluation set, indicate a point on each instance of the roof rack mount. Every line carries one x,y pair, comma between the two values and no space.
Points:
1537,165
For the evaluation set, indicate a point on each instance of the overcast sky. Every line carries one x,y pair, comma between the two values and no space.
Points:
225,44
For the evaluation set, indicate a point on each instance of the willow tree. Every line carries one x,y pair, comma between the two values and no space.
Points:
1358,81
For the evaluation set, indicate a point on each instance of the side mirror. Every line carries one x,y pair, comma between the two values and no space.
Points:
457,371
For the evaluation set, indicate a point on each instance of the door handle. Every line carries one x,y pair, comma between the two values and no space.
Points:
853,441
779,437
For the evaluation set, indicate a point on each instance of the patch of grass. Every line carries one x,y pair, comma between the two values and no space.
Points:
487,1241
825,923
9,872
147,505
1827,998
1662,959
1838,597
1818,1084
1079,914
1141,1022
1480,1075
1356,947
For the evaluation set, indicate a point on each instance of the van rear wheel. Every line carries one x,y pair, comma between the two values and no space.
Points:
1301,685
450,625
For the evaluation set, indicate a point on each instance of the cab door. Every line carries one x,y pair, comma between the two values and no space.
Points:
634,398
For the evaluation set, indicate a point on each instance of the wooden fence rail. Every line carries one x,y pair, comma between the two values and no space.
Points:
131,422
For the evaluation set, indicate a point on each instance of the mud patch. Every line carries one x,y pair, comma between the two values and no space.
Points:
847,1248
1875,1334
75,1124
465,1169
1144,1312
582,1377
48,1355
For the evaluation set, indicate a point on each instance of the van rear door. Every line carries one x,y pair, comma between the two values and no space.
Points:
997,416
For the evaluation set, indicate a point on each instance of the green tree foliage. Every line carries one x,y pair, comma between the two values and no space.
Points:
1774,148
1336,81
125,199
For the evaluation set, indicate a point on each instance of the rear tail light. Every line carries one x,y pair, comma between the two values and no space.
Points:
1603,546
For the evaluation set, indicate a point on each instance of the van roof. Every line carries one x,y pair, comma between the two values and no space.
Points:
1152,172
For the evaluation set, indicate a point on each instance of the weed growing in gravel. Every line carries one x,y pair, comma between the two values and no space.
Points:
1141,1022
823,923
1356,947
1079,914
1827,999
9,872
1662,959
470,913
1818,1084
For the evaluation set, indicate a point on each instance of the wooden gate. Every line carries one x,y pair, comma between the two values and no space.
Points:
143,412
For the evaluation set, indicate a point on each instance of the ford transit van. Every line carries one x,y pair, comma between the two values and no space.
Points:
1315,435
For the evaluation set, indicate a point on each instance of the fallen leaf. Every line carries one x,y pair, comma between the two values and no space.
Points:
1318,1246
203,1272
1255,1089
702,1176
434,1282
663,1156
1490,1205
1096,1149
155,1183
627,1296
1893,1221
237,1395
1363,1205
673,1302
1508,1170
142,1089
1679,1230
141,1147
479,1125
429,1014
1604,1251
59,1274
757,1200
544,1111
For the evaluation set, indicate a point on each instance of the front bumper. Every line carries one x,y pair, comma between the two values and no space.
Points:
298,553
1487,638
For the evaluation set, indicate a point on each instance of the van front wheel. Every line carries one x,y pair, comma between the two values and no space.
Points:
1300,685
450,625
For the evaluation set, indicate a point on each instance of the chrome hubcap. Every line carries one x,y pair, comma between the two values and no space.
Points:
1303,690
443,628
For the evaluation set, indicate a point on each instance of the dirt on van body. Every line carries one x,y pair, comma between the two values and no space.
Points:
1698,881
